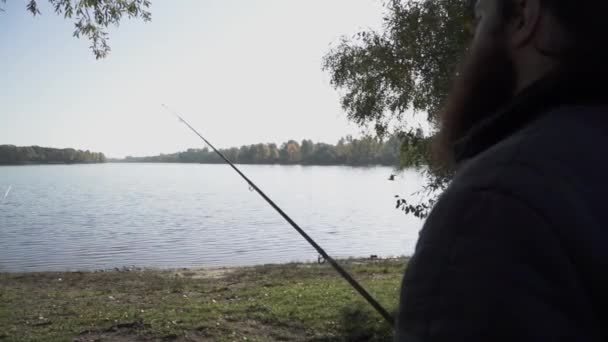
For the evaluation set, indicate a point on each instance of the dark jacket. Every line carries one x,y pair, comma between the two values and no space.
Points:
516,249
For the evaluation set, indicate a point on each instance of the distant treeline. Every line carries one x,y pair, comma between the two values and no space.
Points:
14,155
348,151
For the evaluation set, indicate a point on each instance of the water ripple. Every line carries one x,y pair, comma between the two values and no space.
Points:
84,217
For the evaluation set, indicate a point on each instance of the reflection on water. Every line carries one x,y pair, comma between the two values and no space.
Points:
82,217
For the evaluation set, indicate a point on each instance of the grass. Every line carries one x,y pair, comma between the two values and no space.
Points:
301,302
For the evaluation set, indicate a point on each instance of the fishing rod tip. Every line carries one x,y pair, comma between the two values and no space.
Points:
170,110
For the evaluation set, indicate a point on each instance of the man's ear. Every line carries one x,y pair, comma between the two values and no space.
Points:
526,16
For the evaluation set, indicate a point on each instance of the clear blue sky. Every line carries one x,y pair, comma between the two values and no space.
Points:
243,72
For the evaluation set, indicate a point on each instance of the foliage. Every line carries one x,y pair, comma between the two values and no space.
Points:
93,17
406,67
365,151
292,302
12,155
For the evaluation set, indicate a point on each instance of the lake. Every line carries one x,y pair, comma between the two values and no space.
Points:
100,216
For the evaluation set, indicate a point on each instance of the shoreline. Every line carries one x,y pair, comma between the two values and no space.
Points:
228,268
263,164
295,301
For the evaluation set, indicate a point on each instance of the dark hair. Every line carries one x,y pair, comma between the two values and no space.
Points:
583,20
586,17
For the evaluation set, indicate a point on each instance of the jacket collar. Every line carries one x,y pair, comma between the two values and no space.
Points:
555,90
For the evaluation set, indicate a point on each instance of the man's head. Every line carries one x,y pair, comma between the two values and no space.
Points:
517,42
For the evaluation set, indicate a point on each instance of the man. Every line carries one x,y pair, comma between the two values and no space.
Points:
516,249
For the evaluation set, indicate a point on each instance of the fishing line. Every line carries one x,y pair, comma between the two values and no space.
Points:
371,300
7,192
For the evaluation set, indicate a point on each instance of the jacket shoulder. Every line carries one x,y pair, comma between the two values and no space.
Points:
557,147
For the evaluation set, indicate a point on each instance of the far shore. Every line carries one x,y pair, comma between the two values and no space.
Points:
50,163
122,161
297,301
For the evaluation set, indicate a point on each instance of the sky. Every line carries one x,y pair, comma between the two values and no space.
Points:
241,71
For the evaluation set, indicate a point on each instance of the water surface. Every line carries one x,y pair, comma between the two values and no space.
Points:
85,217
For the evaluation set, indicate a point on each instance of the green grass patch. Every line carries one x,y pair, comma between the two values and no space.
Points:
303,302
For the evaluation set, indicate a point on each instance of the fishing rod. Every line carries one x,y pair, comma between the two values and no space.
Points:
371,300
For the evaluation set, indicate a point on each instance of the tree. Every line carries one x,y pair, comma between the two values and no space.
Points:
232,154
10,154
273,153
364,151
408,66
290,152
367,150
259,153
29,154
246,155
343,150
324,154
93,17
307,149
390,149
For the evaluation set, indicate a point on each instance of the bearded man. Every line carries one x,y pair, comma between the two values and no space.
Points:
516,249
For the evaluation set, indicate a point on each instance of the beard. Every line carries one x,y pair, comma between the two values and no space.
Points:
486,81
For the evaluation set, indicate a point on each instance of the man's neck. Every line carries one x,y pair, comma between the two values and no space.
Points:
531,74
530,67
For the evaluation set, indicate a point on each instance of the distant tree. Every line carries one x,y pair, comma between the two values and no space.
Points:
55,156
261,154
93,17
290,152
246,155
364,151
232,154
307,149
273,153
69,155
28,154
324,154
367,150
10,154
343,151
390,151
